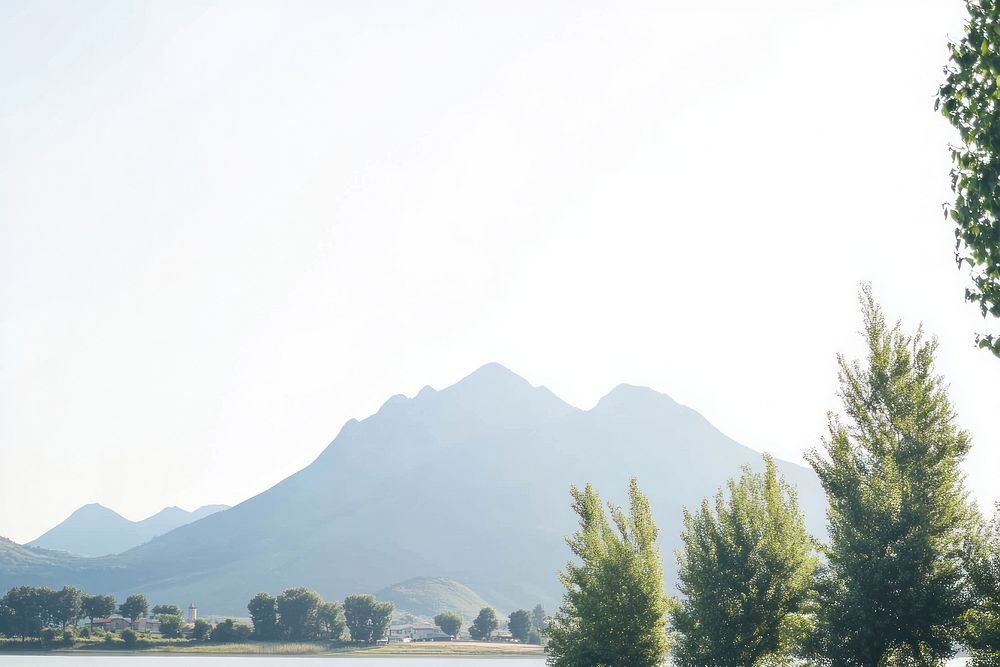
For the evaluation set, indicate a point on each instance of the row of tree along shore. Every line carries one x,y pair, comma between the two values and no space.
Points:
298,614
910,573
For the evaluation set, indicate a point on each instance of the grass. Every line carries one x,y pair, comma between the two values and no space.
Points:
412,649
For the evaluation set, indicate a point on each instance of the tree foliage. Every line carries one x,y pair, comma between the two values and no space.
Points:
449,622
519,624
264,616
171,625
746,574
970,100
538,618
97,606
135,606
202,630
367,618
330,621
484,624
983,630
614,608
898,514
296,612
66,606
166,610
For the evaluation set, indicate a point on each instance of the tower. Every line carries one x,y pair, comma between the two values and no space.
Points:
192,613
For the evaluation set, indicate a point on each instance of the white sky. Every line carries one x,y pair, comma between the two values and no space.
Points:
226,228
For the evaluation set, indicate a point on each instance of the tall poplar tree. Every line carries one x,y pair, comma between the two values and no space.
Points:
746,574
898,511
614,608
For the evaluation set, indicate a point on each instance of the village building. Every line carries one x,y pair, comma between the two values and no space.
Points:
416,632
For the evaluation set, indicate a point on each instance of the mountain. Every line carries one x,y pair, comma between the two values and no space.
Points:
95,530
469,483
425,597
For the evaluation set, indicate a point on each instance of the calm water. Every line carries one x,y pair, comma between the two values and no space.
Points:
269,661
253,661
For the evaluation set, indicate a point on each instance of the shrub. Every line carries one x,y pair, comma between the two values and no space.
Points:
68,638
534,636
129,637
49,636
85,632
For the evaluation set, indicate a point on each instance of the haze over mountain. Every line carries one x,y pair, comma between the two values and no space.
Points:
95,530
469,483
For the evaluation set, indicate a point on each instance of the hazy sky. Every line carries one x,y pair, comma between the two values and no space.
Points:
227,228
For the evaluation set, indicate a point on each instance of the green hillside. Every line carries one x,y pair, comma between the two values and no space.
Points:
424,597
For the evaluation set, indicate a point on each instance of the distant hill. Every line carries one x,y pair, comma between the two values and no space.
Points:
469,483
425,597
95,530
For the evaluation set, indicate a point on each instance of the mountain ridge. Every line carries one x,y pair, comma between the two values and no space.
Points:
96,530
468,484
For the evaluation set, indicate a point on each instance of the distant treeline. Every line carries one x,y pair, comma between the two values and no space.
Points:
298,614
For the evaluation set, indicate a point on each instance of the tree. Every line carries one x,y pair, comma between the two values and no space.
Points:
746,574
172,625
97,606
449,622
983,630
166,610
135,606
538,618
130,637
519,624
66,606
264,616
484,624
26,607
614,608
968,99
898,512
202,630
297,612
330,621
230,632
366,618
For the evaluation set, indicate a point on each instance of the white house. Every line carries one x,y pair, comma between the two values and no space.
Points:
416,632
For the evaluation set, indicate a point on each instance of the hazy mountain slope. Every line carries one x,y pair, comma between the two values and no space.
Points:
425,597
468,483
95,530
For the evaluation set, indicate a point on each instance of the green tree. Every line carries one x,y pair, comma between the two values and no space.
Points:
614,608
67,606
484,624
26,606
538,618
746,574
983,631
134,607
297,612
166,610
202,630
330,621
264,616
172,625
367,618
97,606
130,637
449,622
230,632
968,99
519,624
898,513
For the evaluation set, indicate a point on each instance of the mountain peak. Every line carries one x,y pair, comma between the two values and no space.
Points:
630,396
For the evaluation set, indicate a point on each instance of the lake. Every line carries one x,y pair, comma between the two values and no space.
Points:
268,661
51,660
